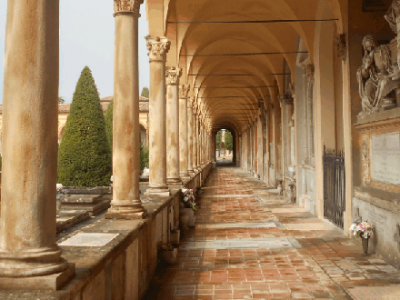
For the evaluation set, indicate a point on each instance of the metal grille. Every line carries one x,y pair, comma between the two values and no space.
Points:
334,186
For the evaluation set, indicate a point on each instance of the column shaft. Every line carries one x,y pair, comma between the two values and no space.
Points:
158,47
183,132
126,202
195,141
190,136
28,216
173,75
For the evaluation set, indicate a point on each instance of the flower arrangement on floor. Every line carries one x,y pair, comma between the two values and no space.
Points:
188,199
363,230
168,253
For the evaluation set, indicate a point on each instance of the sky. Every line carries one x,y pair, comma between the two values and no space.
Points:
86,38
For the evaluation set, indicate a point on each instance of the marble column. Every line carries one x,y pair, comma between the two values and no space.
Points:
28,249
126,202
195,140
190,135
173,74
183,132
158,48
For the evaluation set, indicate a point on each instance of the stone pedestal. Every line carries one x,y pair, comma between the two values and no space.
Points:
126,202
158,48
28,216
173,75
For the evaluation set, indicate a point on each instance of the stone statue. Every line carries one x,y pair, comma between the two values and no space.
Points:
377,78
392,14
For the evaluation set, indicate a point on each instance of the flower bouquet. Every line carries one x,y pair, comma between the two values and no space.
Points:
188,199
363,230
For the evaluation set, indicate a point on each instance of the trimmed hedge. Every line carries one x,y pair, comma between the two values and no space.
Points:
84,156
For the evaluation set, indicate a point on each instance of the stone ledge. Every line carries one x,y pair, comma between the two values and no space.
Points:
383,199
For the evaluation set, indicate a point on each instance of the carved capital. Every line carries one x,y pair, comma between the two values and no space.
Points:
173,74
127,6
184,91
341,46
158,48
286,98
309,72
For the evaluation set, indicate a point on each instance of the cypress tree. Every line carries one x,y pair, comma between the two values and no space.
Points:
109,124
84,156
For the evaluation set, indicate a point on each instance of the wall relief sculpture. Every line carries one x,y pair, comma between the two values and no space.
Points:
378,79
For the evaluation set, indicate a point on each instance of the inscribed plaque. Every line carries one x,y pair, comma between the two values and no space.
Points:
385,154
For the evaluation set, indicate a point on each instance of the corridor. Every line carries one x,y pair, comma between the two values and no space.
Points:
249,243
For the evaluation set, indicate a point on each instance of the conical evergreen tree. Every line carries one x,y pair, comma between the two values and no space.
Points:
109,124
84,156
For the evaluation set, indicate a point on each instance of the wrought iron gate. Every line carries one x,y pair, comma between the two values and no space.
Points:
334,186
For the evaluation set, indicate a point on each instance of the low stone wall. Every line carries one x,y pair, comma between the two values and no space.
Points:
121,267
384,214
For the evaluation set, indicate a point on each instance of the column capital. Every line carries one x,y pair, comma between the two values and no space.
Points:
173,74
286,98
158,48
184,91
127,6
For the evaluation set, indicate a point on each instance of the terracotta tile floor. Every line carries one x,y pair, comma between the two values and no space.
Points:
296,256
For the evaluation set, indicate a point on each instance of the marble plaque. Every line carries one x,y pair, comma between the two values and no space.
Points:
89,239
391,292
385,156
243,244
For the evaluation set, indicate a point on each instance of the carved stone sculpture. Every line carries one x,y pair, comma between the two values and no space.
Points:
378,79
173,74
392,14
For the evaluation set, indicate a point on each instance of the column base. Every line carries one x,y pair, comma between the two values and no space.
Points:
52,282
156,191
174,181
126,210
191,172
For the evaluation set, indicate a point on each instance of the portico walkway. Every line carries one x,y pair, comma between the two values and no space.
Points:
251,244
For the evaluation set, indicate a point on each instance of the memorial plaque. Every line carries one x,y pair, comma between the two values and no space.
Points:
89,239
385,156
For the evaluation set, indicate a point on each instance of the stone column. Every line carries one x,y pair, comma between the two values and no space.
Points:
126,202
183,132
28,249
173,74
190,136
195,140
158,48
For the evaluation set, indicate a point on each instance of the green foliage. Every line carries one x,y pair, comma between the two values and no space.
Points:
219,140
145,92
61,100
84,156
228,140
144,157
109,124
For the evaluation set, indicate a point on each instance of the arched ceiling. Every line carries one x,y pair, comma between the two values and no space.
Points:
199,49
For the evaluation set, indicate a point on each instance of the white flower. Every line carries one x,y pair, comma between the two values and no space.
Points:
59,186
112,178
